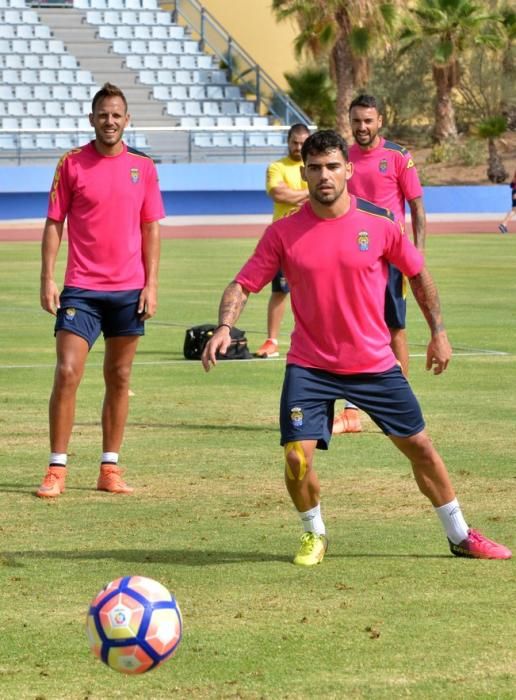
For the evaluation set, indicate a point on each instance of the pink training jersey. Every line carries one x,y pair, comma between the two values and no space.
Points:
337,272
385,175
105,200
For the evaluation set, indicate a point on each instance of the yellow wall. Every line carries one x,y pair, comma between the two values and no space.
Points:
251,23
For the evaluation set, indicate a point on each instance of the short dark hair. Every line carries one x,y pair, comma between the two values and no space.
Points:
295,128
108,90
364,100
323,141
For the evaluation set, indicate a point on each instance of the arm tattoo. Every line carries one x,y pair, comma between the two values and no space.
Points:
418,218
232,304
427,297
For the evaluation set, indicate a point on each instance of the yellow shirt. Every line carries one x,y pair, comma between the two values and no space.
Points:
288,171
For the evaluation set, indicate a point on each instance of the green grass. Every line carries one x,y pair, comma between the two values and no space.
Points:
389,614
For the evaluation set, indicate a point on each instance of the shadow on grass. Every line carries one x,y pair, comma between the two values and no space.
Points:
197,557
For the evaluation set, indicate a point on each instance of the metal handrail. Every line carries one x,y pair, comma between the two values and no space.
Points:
269,97
183,149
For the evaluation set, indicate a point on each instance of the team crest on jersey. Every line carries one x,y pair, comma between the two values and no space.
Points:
410,163
382,166
363,241
296,416
70,313
135,175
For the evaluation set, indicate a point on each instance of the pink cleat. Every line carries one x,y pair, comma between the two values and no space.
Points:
110,479
476,546
268,349
53,484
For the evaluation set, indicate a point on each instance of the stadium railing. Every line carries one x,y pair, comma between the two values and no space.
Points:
243,71
177,144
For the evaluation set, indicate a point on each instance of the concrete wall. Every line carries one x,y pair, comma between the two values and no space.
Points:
193,189
251,23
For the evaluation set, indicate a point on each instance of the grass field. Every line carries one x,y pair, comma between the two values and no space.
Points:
389,614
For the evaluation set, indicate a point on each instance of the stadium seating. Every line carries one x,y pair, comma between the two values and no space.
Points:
44,86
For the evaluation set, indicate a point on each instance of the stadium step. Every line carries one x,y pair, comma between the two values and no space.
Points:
95,55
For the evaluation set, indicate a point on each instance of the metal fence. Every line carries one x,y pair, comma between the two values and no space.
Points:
242,69
163,144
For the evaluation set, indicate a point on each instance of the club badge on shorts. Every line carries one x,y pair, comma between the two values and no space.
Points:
70,313
296,416
363,241
135,175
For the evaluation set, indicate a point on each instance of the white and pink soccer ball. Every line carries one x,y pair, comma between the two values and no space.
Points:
134,624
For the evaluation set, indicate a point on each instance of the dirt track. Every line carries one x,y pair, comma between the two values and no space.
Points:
10,231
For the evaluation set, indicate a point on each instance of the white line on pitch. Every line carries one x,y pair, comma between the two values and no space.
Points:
482,353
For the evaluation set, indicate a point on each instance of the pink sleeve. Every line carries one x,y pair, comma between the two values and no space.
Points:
61,192
401,252
263,264
408,177
152,207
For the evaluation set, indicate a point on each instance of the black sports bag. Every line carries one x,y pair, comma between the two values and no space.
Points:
197,337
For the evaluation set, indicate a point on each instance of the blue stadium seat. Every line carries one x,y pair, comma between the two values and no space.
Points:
206,121
16,108
33,60
203,140
13,61
29,123
8,142
10,122
45,142
35,108
23,92
53,108
48,123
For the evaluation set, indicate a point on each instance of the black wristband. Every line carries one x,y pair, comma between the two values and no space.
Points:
222,325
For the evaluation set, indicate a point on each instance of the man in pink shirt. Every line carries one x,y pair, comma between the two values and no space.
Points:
335,252
384,173
109,196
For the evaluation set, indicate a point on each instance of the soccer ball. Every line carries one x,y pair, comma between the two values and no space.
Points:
134,624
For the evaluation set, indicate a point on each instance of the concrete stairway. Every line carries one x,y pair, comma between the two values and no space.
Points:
95,54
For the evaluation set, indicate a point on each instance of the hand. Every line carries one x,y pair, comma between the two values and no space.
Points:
49,297
438,353
147,303
218,343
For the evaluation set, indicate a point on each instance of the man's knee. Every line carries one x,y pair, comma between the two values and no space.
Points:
296,463
419,448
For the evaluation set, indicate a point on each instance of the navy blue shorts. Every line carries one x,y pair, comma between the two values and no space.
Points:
87,313
308,396
395,299
280,284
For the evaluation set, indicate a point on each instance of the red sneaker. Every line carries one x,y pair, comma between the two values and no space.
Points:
268,349
347,421
53,484
110,479
476,546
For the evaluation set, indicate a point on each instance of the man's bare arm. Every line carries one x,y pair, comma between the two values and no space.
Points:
234,299
50,243
283,194
148,301
439,350
418,218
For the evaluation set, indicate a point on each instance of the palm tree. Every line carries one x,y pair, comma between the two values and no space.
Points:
345,31
313,90
508,32
491,129
449,26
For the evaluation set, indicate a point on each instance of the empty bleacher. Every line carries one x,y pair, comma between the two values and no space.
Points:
52,61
